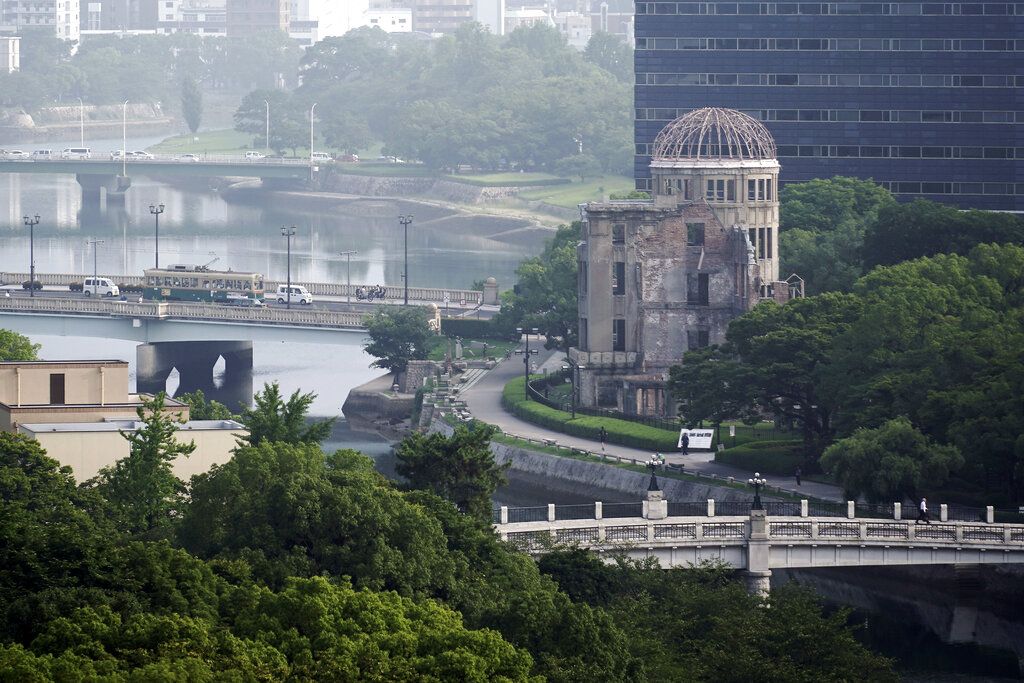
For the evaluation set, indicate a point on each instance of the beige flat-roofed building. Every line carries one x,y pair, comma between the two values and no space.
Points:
57,391
88,447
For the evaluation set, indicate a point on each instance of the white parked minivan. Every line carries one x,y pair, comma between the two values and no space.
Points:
100,286
321,157
299,294
76,153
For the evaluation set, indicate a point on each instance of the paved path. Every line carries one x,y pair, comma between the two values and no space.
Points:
483,398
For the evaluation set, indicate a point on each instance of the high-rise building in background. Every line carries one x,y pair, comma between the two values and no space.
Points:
202,17
440,16
61,16
248,17
10,54
925,98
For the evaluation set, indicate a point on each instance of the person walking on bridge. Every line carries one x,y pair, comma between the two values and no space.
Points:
922,512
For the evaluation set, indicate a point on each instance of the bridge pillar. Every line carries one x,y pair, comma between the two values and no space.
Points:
195,361
758,574
99,190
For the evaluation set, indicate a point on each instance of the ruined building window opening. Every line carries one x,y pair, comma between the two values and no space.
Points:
619,334
618,233
582,270
761,240
767,291
697,339
583,334
721,190
694,234
619,278
697,289
759,189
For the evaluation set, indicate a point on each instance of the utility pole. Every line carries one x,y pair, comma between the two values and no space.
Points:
266,102
526,357
156,211
405,221
81,122
32,223
289,232
95,271
348,286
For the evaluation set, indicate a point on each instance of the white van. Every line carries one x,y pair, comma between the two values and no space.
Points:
76,153
299,294
100,286
321,157
43,154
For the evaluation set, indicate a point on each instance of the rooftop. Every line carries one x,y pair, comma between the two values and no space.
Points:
716,134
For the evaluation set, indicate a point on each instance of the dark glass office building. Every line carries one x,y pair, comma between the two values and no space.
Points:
924,98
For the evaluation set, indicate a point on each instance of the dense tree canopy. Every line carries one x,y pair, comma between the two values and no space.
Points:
272,418
546,292
14,346
397,336
938,340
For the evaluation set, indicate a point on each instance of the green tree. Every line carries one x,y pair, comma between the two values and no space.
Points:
191,103
397,336
14,346
889,463
272,418
546,293
199,408
903,232
612,54
581,165
459,468
142,487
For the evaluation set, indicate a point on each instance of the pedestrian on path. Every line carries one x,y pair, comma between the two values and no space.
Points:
922,512
603,434
686,444
797,474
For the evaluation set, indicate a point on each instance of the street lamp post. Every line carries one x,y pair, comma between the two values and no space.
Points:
124,139
267,140
573,368
156,211
311,110
348,285
32,222
527,352
289,232
405,221
758,483
95,271
81,122
653,464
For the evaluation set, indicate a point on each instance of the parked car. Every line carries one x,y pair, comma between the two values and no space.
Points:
100,286
140,155
43,154
36,285
76,153
243,301
300,295
321,157
116,155
350,158
16,154
254,156
189,158
75,286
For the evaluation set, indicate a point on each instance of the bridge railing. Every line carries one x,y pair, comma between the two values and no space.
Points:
456,297
304,316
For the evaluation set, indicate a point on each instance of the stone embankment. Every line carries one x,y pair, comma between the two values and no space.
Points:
386,186
17,125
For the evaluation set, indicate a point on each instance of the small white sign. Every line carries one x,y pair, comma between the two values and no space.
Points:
732,430
700,439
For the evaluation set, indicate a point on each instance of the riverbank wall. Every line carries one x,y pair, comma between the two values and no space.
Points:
64,122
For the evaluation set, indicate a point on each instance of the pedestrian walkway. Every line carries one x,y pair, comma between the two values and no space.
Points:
483,398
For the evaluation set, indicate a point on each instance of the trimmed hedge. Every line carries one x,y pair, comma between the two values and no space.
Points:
769,457
620,432
468,328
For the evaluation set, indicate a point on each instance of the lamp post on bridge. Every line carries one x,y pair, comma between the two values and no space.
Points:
653,464
573,369
757,483
32,222
348,278
156,211
81,122
124,139
405,221
526,353
267,140
95,271
289,232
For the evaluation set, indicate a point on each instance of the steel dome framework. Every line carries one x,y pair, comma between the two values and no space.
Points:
714,134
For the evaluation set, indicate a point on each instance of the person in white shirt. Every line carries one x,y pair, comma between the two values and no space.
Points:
922,512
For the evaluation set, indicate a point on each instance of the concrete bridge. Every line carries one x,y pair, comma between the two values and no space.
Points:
784,535
107,180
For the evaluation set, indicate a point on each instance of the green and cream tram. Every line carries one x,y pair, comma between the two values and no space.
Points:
198,283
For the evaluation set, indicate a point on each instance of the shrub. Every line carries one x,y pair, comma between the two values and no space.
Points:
768,457
473,329
622,432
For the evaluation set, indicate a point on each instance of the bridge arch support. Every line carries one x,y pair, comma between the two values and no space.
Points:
195,361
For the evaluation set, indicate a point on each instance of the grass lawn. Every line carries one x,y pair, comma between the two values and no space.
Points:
575,193
210,142
495,349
